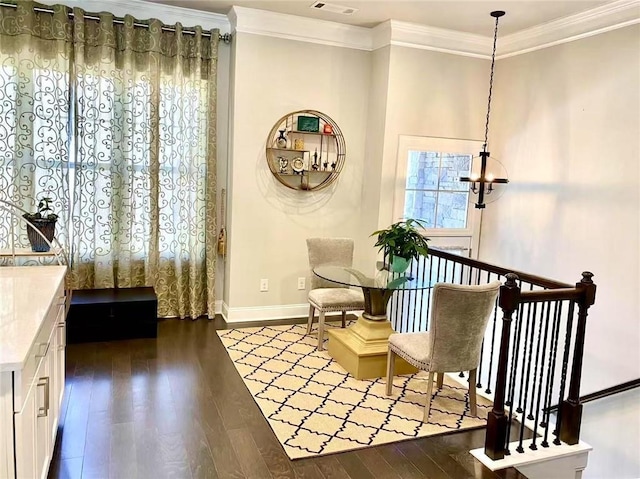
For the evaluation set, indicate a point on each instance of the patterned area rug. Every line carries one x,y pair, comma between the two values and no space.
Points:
315,407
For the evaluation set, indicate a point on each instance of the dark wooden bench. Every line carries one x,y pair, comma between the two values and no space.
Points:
111,314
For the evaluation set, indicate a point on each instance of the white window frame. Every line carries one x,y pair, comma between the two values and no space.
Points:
466,240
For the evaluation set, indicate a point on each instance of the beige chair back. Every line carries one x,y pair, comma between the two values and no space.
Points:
338,251
458,322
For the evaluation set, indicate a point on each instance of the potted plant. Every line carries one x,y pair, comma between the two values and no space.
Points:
401,242
44,220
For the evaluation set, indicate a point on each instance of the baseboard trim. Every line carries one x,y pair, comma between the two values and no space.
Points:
266,313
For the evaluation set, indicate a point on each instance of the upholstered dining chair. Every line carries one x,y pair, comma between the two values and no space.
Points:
326,296
459,316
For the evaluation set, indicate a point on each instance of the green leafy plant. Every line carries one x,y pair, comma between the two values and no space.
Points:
42,224
44,205
403,239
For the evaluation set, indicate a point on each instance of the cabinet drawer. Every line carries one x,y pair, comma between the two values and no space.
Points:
25,378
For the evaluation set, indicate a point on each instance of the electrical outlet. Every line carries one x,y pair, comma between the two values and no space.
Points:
264,285
302,283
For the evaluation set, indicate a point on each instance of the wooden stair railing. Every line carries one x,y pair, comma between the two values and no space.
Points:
532,341
570,414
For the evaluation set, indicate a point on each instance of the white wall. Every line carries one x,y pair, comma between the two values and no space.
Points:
566,125
430,94
269,222
612,427
376,126
374,97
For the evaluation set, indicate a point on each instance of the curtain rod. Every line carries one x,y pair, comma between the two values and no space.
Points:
223,37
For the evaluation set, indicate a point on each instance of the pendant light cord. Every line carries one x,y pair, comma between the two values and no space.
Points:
493,61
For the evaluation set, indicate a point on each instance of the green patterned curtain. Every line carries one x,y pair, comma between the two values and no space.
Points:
140,183
35,52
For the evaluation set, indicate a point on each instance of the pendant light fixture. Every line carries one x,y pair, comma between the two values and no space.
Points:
487,174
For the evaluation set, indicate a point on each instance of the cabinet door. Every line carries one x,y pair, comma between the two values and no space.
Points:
32,426
43,416
57,371
25,431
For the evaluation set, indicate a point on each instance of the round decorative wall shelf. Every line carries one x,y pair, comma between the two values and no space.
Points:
305,150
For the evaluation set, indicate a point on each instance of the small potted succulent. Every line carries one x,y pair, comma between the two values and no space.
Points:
44,220
402,242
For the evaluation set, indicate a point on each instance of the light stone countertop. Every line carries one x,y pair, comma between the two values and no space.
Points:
26,292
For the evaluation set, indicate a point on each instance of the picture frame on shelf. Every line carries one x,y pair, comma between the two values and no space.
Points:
308,123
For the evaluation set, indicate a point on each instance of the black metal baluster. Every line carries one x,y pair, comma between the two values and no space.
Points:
563,374
406,300
527,376
540,389
410,301
543,308
514,373
552,367
431,283
420,279
519,409
524,353
514,356
544,313
493,342
396,312
512,377
479,384
461,282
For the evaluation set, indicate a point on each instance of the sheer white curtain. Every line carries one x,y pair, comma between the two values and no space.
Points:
135,165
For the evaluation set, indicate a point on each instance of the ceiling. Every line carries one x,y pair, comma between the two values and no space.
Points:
470,16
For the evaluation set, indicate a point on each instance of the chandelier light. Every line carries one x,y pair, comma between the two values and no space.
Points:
487,174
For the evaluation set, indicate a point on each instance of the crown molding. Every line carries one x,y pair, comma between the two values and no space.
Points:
614,15
439,39
611,16
292,27
142,10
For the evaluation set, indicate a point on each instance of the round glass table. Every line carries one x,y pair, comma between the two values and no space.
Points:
361,348
377,289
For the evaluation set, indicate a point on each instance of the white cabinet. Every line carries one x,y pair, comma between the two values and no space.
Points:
31,387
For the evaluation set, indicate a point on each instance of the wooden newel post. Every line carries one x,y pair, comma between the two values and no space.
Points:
494,444
571,408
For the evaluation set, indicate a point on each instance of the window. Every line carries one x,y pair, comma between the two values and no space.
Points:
427,188
433,192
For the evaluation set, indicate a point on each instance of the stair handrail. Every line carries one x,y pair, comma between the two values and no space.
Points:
570,412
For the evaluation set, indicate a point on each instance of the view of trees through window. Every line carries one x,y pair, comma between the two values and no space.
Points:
433,192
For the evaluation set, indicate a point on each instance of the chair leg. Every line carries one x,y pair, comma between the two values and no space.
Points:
440,380
427,406
391,361
344,319
312,310
473,408
320,330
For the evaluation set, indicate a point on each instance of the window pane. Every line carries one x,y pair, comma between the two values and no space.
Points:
421,205
422,170
452,210
453,167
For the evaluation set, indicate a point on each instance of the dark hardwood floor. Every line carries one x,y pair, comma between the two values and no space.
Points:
176,407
